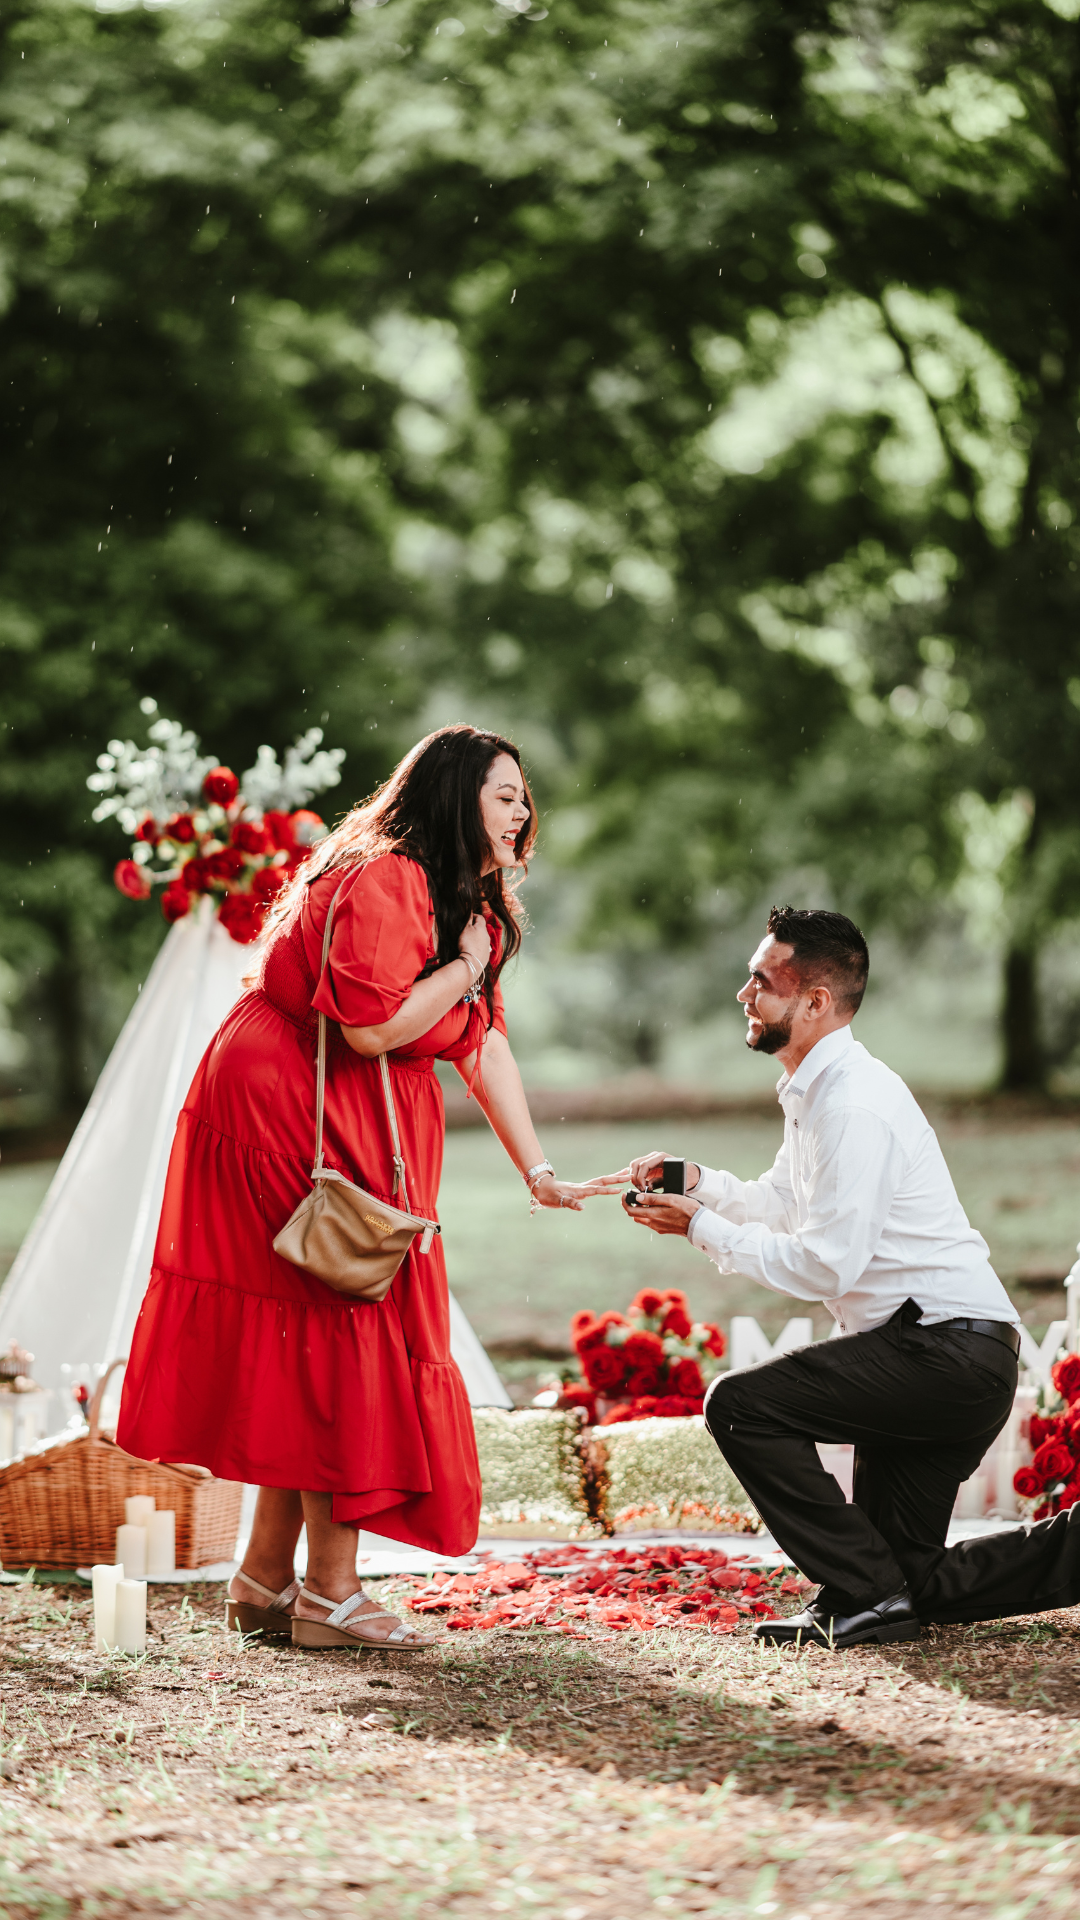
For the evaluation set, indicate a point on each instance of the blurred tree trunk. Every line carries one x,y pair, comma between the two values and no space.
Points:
1024,1064
65,1009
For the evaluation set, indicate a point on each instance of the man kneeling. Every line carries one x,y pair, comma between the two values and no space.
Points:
859,1211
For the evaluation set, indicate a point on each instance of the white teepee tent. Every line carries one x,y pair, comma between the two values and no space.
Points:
76,1285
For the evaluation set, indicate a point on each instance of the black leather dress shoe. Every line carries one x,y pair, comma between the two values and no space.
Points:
891,1619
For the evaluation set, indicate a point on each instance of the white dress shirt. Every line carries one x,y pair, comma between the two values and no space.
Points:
858,1209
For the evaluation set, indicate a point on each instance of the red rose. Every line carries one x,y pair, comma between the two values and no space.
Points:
643,1350
1044,1512
131,880
579,1396
715,1342
180,828
1065,1375
1052,1462
648,1301
195,875
242,916
175,901
674,1297
616,1415
226,865
677,1321
1069,1495
1040,1429
588,1330
584,1323
644,1405
604,1367
250,837
306,827
268,882
279,827
1027,1483
685,1378
642,1379
147,830
221,785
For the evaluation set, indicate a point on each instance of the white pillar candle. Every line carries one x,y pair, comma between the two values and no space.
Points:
131,1552
137,1509
1007,1464
971,1499
103,1580
131,1616
161,1543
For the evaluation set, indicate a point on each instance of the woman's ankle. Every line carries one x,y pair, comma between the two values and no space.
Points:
274,1579
331,1586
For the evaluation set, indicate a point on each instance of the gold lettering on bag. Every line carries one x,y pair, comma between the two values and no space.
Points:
380,1226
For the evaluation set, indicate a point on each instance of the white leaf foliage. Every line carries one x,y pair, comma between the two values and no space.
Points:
167,776
162,779
309,769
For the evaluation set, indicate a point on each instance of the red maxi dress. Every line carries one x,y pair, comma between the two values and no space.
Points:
241,1362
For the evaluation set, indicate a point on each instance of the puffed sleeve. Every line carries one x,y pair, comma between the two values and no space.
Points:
498,1015
381,938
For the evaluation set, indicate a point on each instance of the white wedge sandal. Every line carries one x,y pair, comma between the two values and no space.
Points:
274,1620
331,1631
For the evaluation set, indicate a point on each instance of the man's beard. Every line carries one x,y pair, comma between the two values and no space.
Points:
772,1038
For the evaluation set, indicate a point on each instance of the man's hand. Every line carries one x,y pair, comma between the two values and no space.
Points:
663,1212
641,1173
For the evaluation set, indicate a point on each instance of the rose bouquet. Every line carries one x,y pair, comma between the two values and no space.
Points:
650,1362
198,829
1052,1480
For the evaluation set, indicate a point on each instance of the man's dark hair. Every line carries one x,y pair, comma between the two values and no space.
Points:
828,949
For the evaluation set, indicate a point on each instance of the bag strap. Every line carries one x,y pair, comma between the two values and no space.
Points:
320,1082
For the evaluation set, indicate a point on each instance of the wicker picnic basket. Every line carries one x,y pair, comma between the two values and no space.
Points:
61,1507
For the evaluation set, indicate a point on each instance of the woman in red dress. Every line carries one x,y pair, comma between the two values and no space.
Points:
344,1413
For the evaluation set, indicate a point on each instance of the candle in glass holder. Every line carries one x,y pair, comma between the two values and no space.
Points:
161,1543
131,1616
131,1551
104,1580
137,1509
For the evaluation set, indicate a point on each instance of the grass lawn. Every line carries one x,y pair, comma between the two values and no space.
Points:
520,1278
520,1772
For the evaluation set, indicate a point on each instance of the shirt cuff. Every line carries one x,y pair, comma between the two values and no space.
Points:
709,1235
715,1189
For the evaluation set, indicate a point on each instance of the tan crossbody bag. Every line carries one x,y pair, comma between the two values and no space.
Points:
340,1234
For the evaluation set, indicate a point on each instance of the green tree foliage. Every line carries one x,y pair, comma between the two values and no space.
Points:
693,382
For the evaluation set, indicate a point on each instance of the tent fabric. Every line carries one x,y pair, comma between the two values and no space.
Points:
78,1280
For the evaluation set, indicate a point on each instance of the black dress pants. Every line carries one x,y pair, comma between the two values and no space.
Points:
922,1405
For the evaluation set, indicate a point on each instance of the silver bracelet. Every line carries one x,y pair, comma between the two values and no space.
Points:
532,1176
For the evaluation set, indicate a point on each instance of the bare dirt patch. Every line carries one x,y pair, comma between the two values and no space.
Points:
677,1771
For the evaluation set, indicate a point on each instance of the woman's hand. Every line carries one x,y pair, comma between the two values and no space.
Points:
475,943
549,1192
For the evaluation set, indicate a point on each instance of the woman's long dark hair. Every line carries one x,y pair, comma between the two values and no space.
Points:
429,810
